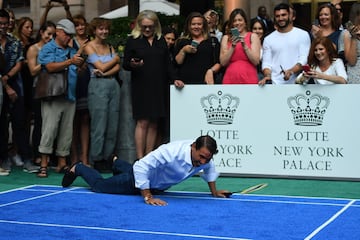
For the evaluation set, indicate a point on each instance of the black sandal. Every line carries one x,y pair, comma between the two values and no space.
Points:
42,172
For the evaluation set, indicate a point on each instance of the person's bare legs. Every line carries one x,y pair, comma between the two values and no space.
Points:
151,137
43,166
81,135
61,164
140,137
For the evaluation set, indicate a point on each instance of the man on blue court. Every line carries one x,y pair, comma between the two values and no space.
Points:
162,168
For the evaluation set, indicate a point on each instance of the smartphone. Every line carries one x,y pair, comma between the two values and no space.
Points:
194,43
306,68
84,56
349,25
235,32
316,22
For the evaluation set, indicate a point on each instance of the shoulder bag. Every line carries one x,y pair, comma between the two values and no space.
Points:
51,85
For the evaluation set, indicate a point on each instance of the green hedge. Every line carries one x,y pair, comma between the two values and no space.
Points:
120,28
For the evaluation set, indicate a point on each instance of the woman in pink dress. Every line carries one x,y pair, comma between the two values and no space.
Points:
240,51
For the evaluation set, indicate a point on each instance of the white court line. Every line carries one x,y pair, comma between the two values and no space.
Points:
33,198
329,221
225,199
261,201
122,230
16,189
205,193
273,196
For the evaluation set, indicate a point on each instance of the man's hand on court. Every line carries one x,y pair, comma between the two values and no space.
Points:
156,202
220,193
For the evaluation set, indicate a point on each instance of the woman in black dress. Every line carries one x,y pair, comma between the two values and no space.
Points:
146,55
196,53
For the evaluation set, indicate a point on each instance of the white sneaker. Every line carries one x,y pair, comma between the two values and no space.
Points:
6,165
4,172
17,160
30,168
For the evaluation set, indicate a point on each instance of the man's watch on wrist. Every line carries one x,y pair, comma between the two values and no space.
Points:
147,198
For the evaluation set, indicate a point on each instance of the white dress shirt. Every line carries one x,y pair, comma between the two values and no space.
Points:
168,165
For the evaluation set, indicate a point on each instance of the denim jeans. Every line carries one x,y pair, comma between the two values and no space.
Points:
122,182
104,107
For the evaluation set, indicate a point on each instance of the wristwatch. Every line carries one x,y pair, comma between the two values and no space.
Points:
147,198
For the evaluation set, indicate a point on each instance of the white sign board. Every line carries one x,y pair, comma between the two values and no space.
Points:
307,131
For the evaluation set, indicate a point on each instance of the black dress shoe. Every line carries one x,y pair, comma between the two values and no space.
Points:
69,177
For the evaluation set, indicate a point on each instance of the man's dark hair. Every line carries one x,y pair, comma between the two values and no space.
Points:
4,14
208,142
282,6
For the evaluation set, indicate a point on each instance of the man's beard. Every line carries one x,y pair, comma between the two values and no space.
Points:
284,26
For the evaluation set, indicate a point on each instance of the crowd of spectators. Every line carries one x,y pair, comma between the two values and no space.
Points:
83,125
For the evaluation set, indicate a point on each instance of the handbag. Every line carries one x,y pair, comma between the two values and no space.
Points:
51,85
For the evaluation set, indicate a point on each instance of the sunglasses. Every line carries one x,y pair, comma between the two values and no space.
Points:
150,27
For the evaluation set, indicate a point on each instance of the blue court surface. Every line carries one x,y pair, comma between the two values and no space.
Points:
52,212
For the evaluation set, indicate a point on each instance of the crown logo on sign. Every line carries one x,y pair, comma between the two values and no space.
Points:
308,110
220,108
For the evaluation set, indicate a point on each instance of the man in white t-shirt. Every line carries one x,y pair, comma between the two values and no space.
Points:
285,50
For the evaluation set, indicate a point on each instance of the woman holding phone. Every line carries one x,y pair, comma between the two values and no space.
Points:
326,67
327,24
146,55
240,51
196,53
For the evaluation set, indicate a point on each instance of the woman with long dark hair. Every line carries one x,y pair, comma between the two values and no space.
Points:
196,52
240,51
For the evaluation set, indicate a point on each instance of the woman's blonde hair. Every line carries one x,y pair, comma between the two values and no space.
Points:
146,14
